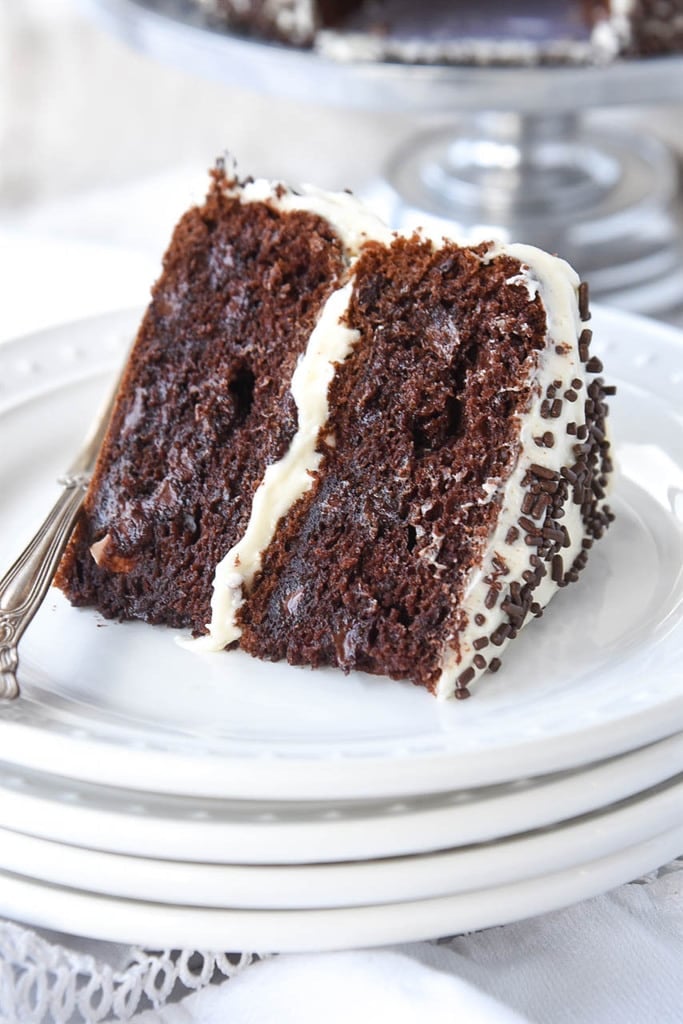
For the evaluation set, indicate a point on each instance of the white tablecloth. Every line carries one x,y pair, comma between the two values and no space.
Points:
615,959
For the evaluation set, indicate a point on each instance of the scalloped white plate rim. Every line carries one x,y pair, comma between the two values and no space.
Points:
42,729
166,926
351,883
261,833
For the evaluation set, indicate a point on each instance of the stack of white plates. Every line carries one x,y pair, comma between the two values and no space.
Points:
152,795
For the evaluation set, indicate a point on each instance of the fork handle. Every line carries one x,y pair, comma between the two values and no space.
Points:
24,586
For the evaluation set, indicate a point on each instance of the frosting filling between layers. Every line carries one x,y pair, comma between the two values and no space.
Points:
288,479
291,477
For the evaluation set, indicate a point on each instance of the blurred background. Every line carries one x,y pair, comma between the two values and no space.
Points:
102,147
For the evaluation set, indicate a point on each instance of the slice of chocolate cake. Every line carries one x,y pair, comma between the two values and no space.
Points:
337,445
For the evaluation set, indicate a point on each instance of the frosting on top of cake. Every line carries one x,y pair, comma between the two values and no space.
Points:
352,221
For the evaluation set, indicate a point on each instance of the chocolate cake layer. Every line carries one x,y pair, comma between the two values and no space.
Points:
368,569
204,407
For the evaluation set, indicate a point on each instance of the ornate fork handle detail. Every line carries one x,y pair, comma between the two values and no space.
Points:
24,586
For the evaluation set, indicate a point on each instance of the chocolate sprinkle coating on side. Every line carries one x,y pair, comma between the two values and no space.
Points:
582,483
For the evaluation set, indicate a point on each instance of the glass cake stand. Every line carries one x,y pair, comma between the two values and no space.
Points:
517,160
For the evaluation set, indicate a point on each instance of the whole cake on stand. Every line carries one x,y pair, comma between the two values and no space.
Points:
439,31
518,159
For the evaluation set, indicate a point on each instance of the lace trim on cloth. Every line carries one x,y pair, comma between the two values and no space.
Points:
42,982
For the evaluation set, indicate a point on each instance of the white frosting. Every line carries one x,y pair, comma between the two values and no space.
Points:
350,47
288,479
331,341
621,8
352,221
295,19
613,32
557,284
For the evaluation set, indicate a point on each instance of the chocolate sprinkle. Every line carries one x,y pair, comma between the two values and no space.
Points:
501,633
584,344
516,612
528,503
494,664
466,677
500,565
540,505
542,471
584,310
529,525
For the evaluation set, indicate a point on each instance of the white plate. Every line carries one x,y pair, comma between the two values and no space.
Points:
259,832
123,705
355,883
164,926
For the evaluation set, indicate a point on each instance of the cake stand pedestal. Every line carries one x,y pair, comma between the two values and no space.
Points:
607,202
518,159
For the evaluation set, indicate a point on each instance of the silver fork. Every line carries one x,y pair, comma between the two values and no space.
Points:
25,584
